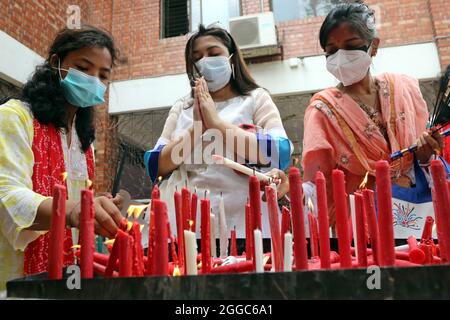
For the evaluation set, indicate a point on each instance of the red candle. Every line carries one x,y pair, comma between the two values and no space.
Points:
194,202
248,232
427,232
385,220
285,223
180,227
298,220
161,245
324,226
255,210
112,259
125,245
58,226
313,235
155,195
442,205
369,208
360,230
233,244
87,234
416,255
186,207
272,205
138,251
205,235
242,266
340,200
151,243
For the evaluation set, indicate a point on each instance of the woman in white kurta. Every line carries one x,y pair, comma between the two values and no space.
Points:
225,100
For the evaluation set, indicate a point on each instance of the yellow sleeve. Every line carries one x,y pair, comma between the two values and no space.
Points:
18,202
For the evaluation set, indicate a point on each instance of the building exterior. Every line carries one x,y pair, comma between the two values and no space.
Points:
151,35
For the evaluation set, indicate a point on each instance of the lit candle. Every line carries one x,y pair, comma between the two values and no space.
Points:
340,200
360,232
190,245
369,208
205,235
213,235
223,229
87,234
298,220
288,251
57,229
161,244
257,236
324,226
272,206
385,220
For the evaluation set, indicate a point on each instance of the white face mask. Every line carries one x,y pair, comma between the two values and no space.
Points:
216,70
349,66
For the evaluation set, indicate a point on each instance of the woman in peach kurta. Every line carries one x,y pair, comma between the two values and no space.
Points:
365,118
339,134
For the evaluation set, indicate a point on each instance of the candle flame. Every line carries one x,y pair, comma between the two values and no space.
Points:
64,176
129,226
266,258
364,182
141,227
136,210
310,205
89,184
176,272
75,246
109,242
159,179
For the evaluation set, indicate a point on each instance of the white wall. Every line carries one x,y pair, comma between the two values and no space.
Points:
17,62
418,60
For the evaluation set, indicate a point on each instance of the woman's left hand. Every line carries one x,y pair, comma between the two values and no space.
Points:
427,145
207,106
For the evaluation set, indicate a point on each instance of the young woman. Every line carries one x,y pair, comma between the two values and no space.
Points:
49,130
365,118
225,101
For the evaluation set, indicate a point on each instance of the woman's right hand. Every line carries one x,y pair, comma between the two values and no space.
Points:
107,217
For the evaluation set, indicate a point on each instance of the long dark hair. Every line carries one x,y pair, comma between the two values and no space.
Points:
358,15
43,91
242,82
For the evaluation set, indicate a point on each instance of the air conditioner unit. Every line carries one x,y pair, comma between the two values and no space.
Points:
254,31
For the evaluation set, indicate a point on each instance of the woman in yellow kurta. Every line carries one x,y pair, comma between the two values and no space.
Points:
49,129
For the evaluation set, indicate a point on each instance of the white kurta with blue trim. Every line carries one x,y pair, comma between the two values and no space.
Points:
258,109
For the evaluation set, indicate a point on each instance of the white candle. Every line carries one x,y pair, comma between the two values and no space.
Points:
239,167
287,251
213,235
258,251
223,230
353,215
190,245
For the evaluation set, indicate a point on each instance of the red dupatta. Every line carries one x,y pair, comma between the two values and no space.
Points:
48,166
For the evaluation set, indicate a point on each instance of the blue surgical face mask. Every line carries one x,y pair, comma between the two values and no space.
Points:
80,89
